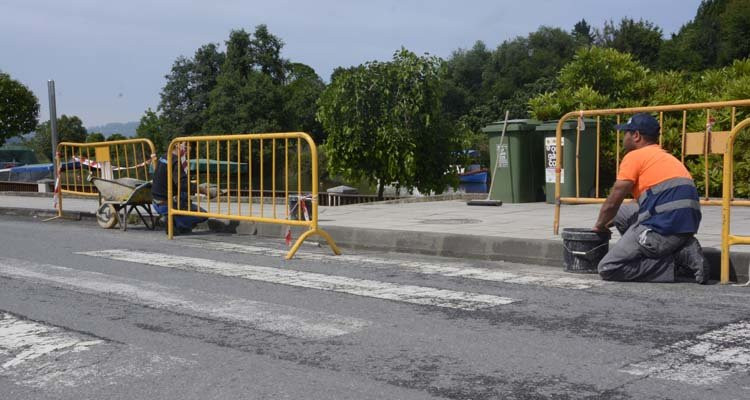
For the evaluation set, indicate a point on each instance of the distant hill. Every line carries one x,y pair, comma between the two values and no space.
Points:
126,129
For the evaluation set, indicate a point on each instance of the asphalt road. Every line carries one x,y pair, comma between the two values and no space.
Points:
87,313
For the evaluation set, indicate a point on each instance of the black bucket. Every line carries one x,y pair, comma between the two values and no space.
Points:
583,249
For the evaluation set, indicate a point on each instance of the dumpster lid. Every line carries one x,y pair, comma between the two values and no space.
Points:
513,125
342,189
572,123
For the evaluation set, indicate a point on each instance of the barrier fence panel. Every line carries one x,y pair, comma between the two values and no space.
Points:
219,169
727,239
702,143
74,162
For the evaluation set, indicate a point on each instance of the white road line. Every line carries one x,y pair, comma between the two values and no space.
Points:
706,360
276,318
51,358
22,341
444,269
360,287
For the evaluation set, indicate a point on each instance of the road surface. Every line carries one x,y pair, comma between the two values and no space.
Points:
88,313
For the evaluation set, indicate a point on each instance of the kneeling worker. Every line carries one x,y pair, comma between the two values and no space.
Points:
183,223
657,231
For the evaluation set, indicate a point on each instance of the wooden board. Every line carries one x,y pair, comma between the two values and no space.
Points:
694,143
719,142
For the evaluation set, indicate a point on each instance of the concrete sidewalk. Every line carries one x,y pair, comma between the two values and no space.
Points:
512,232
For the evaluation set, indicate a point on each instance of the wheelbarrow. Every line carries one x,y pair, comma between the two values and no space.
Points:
119,198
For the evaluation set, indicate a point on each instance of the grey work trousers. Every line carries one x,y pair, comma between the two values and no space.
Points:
641,254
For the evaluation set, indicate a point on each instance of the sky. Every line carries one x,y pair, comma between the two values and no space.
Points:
109,58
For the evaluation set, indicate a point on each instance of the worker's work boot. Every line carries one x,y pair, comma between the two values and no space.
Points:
691,256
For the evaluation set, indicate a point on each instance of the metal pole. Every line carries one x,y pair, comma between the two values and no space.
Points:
52,119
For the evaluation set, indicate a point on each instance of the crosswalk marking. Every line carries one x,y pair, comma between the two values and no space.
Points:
22,341
276,318
708,359
444,269
53,359
360,287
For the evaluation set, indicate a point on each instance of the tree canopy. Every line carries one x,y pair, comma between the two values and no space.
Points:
385,124
642,39
69,129
248,87
716,37
19,108
150,128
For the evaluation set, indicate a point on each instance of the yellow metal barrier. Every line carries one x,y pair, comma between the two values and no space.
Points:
692,143
130,158
727,239
246,157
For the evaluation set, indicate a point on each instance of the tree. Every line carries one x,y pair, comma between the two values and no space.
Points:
247,97
151,128
385,124
116,136
300,95
69,129
582,33
464,82
734,31
642,39
19,109
525,60
185,97
714,38
266,54
95,137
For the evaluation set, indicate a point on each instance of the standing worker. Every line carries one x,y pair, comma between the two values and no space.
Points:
657,231
183,223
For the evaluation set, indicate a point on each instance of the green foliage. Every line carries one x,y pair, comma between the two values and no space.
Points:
482,84
116,136
642,39
19,108
385,124
151,128
596,78
300,94
582,33
525,60
95,137
607,71
716,37
69,129
247,97
185,97
249,88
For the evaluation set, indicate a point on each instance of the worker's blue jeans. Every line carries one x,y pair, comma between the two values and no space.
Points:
183,223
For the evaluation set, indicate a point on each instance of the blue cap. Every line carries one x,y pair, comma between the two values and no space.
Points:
641,122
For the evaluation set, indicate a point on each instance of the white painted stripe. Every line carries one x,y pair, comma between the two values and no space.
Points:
708,359
51,358
276,318
22,341
360,287
445,269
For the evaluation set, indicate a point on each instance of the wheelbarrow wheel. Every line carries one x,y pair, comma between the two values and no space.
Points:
106,216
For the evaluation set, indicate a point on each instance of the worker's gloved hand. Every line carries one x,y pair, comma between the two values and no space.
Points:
209,190
600,229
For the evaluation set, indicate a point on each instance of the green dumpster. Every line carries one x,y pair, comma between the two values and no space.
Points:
516,164
587,159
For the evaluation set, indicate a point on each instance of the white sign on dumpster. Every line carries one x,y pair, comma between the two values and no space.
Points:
550,157
502,155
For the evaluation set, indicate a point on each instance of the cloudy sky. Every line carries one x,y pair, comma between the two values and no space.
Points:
109,58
